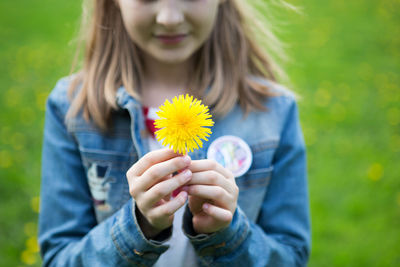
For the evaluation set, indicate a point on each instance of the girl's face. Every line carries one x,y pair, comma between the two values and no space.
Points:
170,31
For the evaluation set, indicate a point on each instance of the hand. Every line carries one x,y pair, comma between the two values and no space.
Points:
151,184
213,195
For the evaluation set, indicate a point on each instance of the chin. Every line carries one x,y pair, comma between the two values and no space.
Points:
173,61
175,57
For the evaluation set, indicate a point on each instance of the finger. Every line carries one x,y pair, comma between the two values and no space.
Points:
209,164
211,177
157,172
137,188
165,188
170,207
218,213
195,204
214,193
150,159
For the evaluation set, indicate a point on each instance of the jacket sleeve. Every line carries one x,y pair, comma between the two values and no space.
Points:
281,235
68,231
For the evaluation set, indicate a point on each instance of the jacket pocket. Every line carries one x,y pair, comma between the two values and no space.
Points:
252,189
106,177
255,178
253,185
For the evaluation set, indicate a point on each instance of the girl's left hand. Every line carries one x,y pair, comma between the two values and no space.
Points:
213,195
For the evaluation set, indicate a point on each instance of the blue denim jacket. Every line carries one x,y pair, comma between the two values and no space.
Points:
87,216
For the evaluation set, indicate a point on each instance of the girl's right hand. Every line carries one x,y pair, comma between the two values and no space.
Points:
151,183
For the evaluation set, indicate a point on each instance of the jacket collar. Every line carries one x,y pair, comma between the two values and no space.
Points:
124,99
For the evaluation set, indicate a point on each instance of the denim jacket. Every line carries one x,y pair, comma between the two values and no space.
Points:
87,216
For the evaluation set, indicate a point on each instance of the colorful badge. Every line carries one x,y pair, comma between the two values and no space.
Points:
231,152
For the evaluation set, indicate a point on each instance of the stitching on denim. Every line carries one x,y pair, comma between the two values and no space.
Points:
242,237
123,254
261,170
117,165
105,152
65,126
114,239
264,145
254,184
236,241
82,127
118,162
248,180
76,130
120,165
152,244
125,196
231,246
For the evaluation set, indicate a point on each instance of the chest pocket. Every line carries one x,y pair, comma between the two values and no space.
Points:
253,185
106,177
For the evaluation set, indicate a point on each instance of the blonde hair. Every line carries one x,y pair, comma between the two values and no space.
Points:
222,74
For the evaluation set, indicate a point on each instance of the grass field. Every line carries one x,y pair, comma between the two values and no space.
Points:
345,65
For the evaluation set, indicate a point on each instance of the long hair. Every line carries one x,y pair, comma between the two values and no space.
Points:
222,74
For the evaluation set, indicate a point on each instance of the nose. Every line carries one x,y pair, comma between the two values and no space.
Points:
170,16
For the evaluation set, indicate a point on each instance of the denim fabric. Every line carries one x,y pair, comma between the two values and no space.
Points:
87,216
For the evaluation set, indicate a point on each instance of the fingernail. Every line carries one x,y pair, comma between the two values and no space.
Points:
187,174
206,206
186,159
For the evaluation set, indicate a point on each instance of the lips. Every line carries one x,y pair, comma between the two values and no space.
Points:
171,39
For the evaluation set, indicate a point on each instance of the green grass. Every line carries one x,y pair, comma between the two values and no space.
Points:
346,67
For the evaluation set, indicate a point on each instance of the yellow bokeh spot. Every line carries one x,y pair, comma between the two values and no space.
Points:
395,141
393,116
344,90
375,172
14,97
5,134
18,141
35,201
27,115
30,228
322,97
41,100
320,35
384,13
5,159
28,257
32,244
310,136
381,79
338,112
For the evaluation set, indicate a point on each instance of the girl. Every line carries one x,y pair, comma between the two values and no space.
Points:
109,192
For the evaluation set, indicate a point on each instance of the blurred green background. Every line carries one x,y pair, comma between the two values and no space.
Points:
345,65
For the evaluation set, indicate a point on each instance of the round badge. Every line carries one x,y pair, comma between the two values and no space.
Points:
231,152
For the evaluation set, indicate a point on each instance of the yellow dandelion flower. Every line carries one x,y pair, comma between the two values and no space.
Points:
182,124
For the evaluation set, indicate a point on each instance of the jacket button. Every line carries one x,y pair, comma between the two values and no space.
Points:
220,245
138,252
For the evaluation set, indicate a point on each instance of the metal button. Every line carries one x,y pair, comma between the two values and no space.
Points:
138,253
220,245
